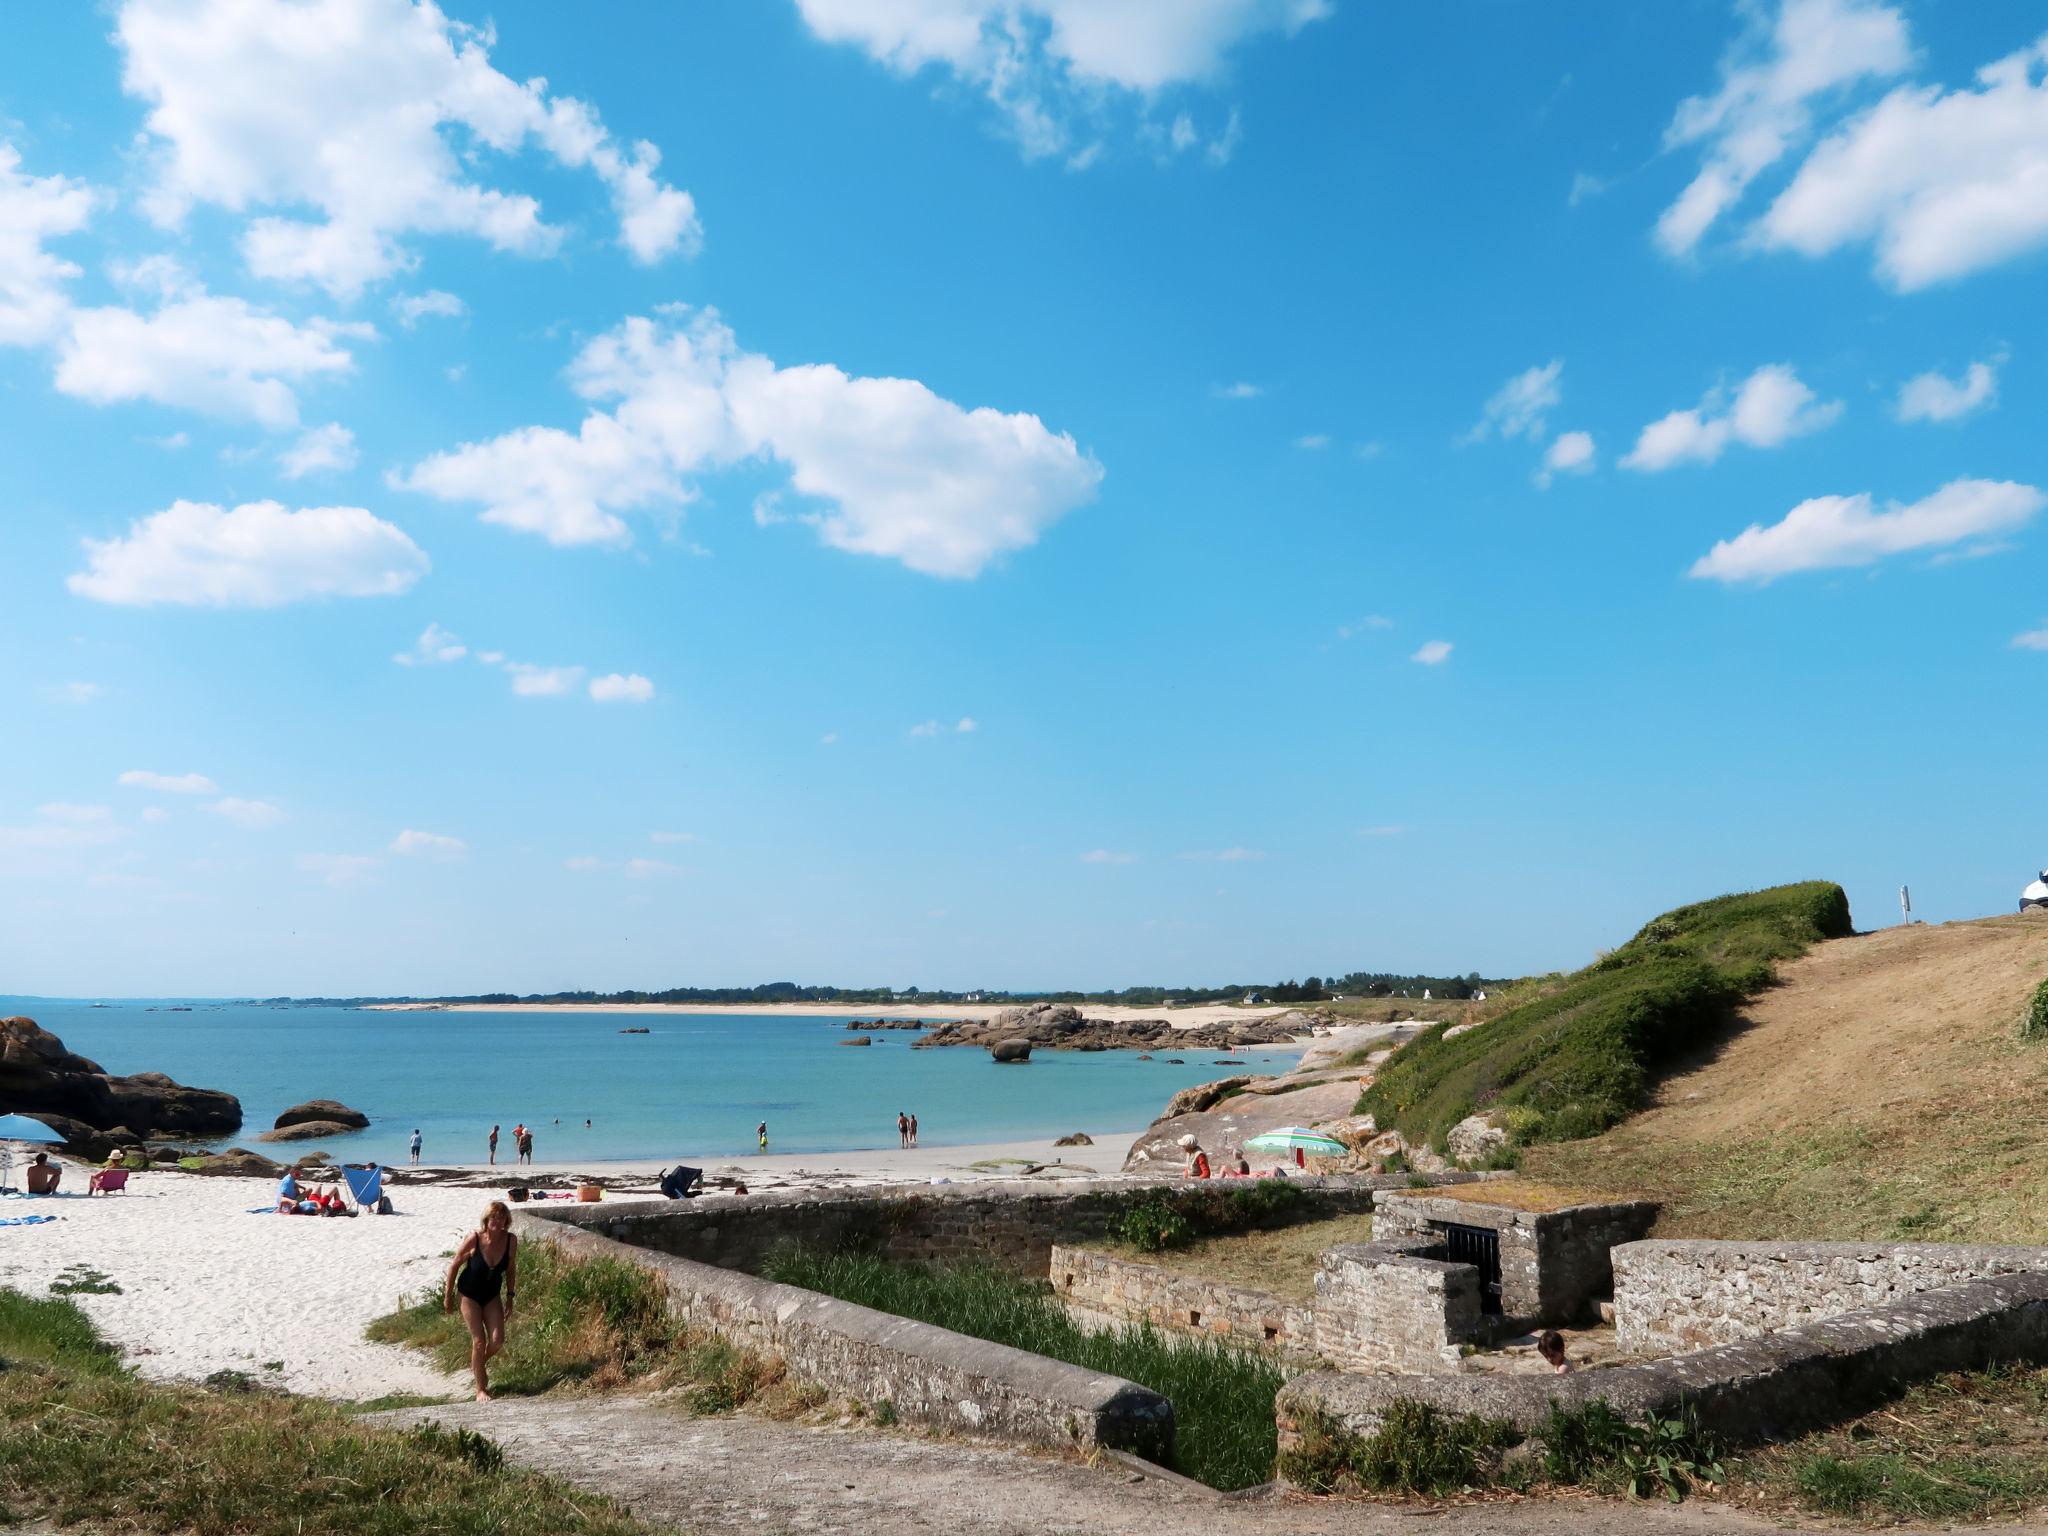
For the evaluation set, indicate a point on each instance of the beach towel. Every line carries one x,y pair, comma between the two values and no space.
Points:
24,1221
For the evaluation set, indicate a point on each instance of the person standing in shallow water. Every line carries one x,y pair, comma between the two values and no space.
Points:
902,1129
494,1147
913,1130
761,1131
415,1146
486,1263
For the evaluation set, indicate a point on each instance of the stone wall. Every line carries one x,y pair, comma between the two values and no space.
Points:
1675,1296
1553,1264
1758,1389
1121,1290
1014,1225
1394,1306
928,1375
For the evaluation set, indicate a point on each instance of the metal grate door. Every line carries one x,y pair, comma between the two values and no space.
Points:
1479,1247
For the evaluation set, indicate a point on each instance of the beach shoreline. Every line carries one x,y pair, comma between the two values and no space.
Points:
1194,1016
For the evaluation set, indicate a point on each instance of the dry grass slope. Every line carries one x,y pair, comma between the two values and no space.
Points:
1882,1089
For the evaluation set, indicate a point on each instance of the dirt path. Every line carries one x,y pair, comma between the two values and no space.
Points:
741,1473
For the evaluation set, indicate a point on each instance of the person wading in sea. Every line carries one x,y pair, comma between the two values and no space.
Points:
494,1146
486,1263
761,1131
913,1130
902,1129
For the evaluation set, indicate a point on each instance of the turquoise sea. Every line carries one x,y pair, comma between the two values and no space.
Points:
691,1090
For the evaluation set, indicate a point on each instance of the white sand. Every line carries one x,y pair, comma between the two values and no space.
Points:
1191,1017
207,1286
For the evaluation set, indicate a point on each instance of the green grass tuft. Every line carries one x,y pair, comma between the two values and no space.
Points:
52,1331
1416,1449
1578,1054
1224,1433
2034,1026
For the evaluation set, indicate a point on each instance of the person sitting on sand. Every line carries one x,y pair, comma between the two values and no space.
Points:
1551,1348
43,1175
487,1261
288,1192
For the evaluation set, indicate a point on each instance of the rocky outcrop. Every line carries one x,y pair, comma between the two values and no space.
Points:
325,1111
239,1162
859,1040
887,1024
39,1078
1078,1139
1475,1138
1063,1027
1192,1101
309,1130
1010,1050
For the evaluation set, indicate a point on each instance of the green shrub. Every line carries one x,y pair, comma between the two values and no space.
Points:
1224,1432
1596,1446
1416,1449
1205,1208
1523,1123
1153,1226
2035,1025
1580,1055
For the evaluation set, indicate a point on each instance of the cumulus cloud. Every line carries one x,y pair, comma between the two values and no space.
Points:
1807,51
257,555
330,447
892,469
412,308
1520,407
1432,653
34,209
375,113
1224,855
1107,856
1313,440
169,783
1829,532
964,726
621,688
535,682
1570,453
1358,627
251,815
1045,65
2031,640
1770,408
1933,397
218,356
1941,183
414,844
434,646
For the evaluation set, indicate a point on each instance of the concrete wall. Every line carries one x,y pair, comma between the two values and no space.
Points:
929,1375
1119,1290
1393,1306
1762,1388
1553,1264
1014,1225
1675,1296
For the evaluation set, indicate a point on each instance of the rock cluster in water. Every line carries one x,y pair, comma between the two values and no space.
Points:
1063,1027
90,1107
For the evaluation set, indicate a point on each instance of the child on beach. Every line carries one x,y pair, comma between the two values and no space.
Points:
486,1263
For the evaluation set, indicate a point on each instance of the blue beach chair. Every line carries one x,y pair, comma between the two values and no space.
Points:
365,1186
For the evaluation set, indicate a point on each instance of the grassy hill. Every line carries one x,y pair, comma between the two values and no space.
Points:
1568,1057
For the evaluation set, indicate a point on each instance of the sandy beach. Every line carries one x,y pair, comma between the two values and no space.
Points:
209,1285
1191,1017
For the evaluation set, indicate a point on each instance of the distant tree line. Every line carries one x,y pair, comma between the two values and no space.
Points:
1312,989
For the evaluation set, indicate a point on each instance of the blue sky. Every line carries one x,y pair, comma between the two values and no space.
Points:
1005,492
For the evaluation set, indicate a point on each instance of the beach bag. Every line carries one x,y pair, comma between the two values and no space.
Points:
383,1205
588,1193
516,1194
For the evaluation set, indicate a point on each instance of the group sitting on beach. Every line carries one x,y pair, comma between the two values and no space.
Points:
296,1200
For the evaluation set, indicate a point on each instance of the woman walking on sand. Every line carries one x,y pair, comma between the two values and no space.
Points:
487,1262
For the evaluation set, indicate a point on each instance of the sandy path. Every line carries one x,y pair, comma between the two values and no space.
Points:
745,1473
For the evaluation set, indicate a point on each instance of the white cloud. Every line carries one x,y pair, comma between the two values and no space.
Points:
671,838
1224,855
621,688
435,645
173,441
330,447
250,815
374,113
965,725
1046,64
1432,653
1809,50
1570,453
648,869
1521,407
77,692
337,868
413,844
582,863
829,739
60,826
1932,397
259,555
1359,626
896,470
1833,531
1107,856
532,682
1942,183
1241,390
1771,407
2031,640
169,783
412,308
1313,440
1383,831
155,814
32,281
218,356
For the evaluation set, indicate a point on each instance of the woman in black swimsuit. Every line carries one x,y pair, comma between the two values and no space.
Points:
487,1262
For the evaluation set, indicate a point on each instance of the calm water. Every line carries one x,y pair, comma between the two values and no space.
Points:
693,1089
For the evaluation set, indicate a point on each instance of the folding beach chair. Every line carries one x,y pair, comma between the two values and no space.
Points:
365,1186
107,1181
681,1183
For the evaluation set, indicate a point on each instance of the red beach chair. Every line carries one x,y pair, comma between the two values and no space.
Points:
106,1181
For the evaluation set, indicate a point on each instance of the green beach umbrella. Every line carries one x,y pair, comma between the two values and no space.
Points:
1298,1138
